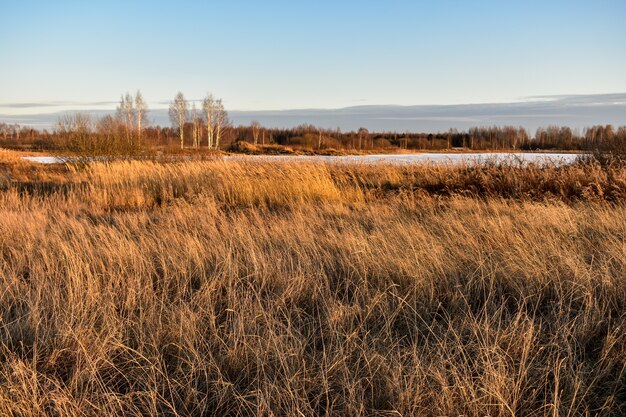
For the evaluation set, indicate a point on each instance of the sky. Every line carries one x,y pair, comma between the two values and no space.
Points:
273,55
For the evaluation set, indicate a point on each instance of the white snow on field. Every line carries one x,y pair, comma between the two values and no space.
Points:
437,158
44,159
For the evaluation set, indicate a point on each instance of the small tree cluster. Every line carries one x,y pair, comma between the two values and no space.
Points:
132,115
212,120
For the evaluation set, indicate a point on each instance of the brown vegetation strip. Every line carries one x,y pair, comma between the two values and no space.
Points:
212,288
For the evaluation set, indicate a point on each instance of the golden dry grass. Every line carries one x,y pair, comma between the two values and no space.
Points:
238,288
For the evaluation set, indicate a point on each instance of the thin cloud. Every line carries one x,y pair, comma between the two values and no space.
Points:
609,98
55,104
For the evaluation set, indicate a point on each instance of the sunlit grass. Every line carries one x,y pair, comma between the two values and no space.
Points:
237,288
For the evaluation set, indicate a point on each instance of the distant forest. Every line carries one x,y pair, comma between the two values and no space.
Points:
209,127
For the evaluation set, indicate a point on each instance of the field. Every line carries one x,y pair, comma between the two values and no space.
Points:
301,289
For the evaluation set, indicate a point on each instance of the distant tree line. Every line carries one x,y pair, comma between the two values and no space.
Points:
208,127
476,138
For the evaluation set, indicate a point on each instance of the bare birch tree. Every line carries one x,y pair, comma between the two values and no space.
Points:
221,121
256,129
195,121
141,109
179,113
208,108
126,114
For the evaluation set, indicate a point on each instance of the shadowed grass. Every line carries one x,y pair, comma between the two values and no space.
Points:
236,288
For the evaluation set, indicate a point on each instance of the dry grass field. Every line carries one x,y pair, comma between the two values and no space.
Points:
303,289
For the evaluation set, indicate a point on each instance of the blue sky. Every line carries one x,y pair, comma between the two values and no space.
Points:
261,55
